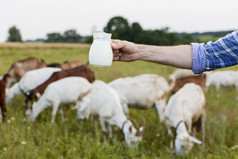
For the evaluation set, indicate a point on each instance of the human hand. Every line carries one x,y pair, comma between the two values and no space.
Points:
124,51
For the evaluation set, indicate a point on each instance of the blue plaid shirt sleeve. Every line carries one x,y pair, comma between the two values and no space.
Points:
218,54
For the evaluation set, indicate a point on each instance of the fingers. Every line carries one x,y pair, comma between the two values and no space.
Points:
118,44
117,55
124,57
121,51
116,58
116,51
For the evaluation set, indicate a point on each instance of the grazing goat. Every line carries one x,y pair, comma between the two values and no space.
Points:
65,91
222,78
19,68
185,106
29,81
83,71
143,92
104,102
66,65
197,79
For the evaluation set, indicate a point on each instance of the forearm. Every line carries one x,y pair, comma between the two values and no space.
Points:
178,56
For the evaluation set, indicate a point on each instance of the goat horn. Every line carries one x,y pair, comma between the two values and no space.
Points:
135,122
138,133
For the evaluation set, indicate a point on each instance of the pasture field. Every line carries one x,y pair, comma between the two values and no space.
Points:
21,139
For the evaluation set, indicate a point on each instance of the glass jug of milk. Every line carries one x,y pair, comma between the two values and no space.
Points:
100,53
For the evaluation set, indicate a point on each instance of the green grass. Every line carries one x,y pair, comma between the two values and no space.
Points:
77,139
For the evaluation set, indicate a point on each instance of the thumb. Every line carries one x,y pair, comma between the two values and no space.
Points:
118,44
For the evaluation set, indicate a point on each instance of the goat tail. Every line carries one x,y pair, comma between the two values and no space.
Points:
167,93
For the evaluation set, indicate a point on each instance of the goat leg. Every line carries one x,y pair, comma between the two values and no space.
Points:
170,134
194,131
203,131
109,128
62,114
55,108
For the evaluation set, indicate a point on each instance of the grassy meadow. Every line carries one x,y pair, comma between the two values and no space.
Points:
77,139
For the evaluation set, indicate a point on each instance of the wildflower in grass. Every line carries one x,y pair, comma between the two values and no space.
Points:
8,121
12,118
4,149
23,142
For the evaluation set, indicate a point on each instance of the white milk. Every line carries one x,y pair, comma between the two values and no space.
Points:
100,53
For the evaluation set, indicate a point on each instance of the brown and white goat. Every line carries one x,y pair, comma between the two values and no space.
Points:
19,68
197,79
82,71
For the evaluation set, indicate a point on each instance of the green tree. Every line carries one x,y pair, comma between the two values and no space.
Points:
14,35
71,36
136,30
186,39
119,28
54,37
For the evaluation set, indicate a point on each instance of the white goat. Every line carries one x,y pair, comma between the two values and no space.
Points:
65,91
185,106
144,91
180,73
105,102
222,78
29,81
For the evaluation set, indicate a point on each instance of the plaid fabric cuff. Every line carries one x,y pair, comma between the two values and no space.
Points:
199,58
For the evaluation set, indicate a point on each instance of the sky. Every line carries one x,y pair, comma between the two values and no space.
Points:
36,18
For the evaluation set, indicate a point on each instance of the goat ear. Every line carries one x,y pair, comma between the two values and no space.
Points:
130,129
193,139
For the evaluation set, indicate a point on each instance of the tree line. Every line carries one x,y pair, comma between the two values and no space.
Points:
122,29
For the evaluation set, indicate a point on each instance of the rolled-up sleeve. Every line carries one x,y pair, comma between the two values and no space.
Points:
199,58
218,54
